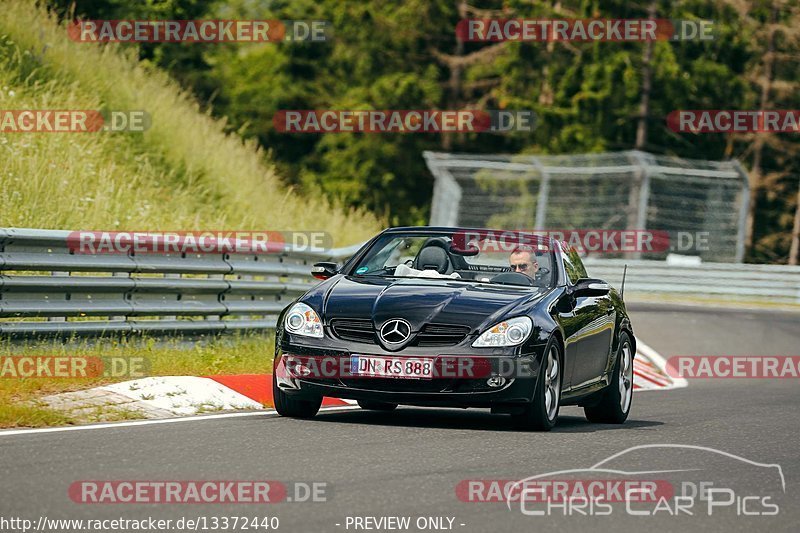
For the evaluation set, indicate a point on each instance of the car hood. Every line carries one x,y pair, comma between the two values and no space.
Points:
421,301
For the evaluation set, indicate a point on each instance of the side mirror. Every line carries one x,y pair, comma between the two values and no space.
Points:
591,287
324,270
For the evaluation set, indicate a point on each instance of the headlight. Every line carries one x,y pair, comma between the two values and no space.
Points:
507,333
302,320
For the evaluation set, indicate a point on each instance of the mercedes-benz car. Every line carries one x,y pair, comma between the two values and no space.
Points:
458,317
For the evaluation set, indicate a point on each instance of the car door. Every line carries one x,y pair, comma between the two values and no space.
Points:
592,325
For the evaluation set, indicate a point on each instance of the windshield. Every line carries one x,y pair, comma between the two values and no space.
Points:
480,258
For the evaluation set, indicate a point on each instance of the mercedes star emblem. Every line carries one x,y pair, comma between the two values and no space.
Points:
395,331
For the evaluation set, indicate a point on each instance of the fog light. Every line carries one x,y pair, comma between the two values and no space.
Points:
496,381
295,367
301,370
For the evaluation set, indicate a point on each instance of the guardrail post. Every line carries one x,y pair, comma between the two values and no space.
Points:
220,298
172,275
57,318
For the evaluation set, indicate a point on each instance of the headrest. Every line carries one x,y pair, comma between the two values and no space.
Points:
433,258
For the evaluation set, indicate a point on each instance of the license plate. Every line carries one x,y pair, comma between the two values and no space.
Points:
391,367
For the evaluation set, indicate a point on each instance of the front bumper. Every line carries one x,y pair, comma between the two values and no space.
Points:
441,391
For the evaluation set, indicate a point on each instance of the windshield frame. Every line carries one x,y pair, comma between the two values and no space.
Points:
383,238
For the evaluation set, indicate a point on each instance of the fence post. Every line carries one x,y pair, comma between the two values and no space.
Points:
446,194
544,193
745,209
640,194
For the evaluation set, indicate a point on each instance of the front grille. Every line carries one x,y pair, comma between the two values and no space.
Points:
441,335
353,329
362,330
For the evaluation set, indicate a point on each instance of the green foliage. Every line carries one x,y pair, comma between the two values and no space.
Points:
398,55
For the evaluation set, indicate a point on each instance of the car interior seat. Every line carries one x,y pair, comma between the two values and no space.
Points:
433,256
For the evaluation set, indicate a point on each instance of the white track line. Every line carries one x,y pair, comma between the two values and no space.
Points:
197,418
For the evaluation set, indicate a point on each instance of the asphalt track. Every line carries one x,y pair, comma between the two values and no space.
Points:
408,463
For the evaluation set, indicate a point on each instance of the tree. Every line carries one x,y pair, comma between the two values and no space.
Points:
588,96
774,157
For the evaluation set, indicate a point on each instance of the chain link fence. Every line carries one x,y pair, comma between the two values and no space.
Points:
609,191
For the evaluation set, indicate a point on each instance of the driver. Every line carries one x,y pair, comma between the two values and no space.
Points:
524,262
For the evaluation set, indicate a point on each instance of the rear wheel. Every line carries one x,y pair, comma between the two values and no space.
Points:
541,414
615,404
293,407
377,406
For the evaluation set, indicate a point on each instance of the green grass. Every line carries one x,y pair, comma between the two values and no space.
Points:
184,173
244,354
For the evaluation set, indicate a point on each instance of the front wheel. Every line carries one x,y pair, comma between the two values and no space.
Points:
615,404
541,414
293,407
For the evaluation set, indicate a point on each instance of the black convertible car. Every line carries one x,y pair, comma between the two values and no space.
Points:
453,317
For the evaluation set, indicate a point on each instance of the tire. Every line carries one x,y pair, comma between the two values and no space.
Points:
293,407
376,406
541,413
615,402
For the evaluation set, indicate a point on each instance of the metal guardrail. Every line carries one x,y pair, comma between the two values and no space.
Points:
47,290
735,281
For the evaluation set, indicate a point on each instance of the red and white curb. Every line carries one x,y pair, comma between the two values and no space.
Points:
650,371
185,395
169,396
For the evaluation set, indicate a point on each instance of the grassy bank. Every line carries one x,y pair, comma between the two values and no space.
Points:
182,173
